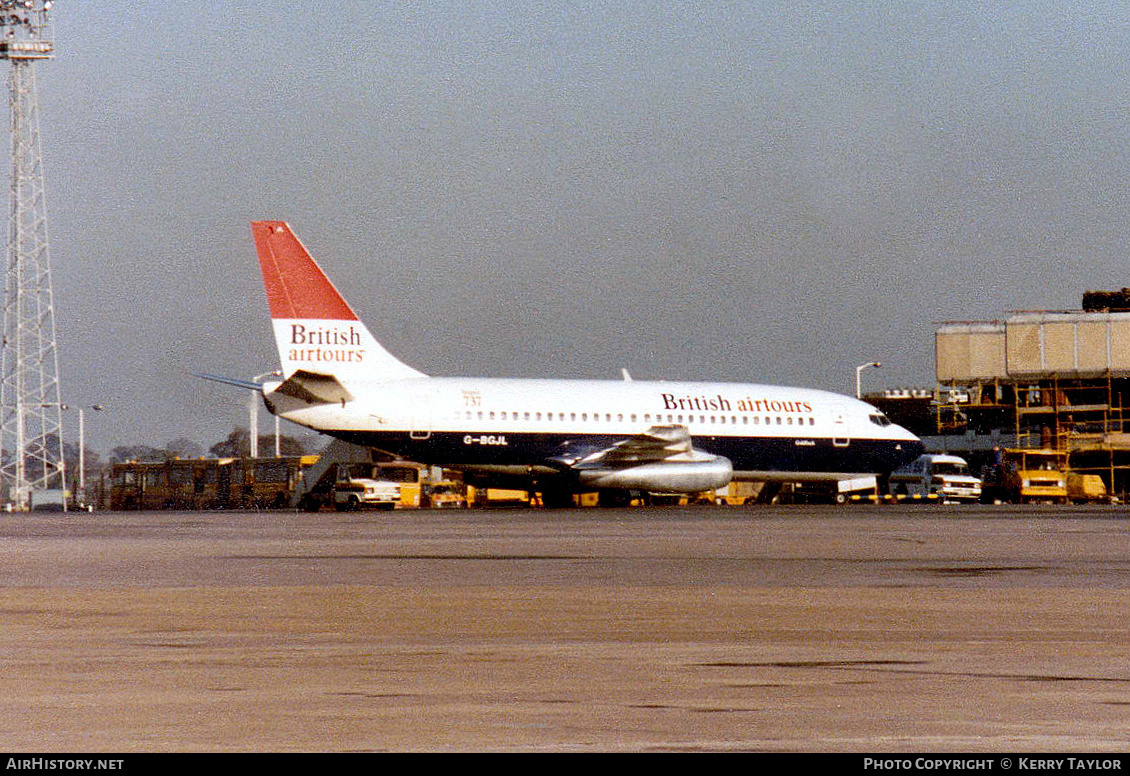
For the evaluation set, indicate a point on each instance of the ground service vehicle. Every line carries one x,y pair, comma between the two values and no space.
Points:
944,477
734,494
855,488
357,486
267,483
497,497
838,492
52,500
351,485
206,483
172,484
1087,488
1027,476
409,476
445,494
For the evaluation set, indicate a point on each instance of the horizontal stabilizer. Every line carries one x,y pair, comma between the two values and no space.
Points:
314,388
252,386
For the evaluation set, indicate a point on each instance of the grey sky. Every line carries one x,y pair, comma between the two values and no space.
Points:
752,191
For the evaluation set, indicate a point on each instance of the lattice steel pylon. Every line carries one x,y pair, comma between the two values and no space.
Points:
31,444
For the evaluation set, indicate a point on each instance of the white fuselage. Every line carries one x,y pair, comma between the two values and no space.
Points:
765,431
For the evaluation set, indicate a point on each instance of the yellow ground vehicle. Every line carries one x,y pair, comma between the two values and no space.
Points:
445,494
735,494
267,483
497,497
409,476
1086,488
206,483
1027,476
173,484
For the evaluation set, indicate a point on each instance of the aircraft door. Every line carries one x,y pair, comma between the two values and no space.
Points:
841,430
421,416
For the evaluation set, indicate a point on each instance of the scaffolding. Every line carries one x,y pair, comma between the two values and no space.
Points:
1056,380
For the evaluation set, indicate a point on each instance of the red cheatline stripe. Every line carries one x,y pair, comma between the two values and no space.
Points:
296,286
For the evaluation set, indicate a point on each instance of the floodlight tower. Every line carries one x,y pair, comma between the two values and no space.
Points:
31,444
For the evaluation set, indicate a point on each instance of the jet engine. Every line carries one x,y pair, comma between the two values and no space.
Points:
694,476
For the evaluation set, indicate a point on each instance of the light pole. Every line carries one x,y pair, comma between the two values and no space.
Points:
858,371
253,416
80,495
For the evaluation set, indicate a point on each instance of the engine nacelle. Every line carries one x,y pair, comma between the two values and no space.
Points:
662,476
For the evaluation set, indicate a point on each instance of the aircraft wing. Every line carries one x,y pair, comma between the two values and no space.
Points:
661,459
657,444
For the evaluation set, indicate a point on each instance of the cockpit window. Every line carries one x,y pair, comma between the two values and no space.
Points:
879,419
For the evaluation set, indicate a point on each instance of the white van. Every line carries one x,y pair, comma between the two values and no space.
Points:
945,477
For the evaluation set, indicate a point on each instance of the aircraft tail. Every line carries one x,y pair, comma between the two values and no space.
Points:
316,330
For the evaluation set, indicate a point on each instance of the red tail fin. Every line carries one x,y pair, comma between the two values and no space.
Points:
296,285
315,328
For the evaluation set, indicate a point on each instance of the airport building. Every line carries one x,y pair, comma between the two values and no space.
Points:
1057,380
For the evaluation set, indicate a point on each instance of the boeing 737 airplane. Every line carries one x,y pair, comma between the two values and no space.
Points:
558,436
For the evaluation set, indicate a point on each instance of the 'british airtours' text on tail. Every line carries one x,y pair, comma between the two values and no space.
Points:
316,330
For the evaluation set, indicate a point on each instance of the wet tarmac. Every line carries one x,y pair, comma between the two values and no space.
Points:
874,629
